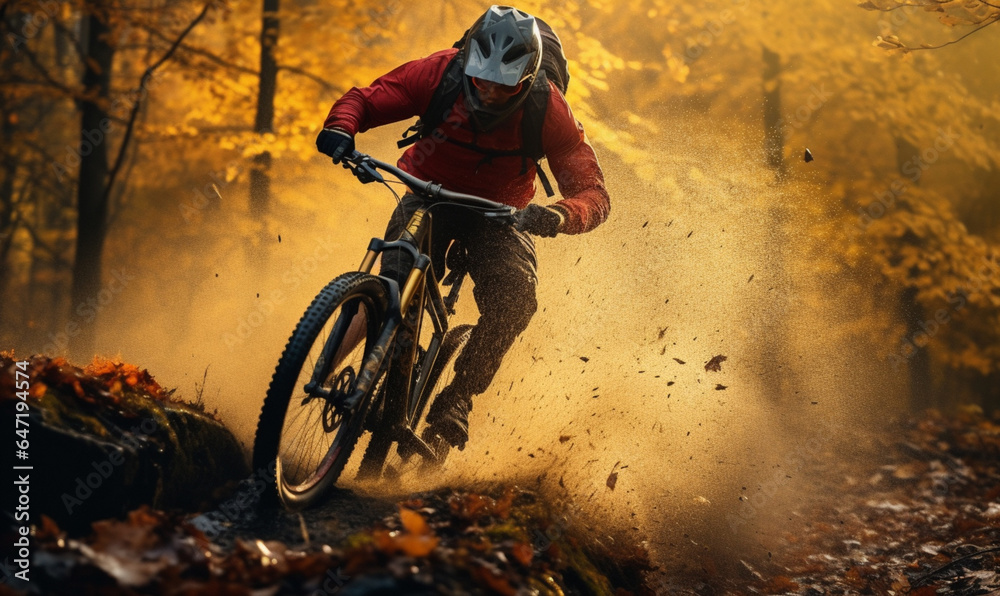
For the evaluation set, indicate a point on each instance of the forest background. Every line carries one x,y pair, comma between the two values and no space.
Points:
161,198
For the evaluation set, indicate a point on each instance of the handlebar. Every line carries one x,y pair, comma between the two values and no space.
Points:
365,168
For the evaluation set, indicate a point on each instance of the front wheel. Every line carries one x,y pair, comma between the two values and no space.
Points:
302,433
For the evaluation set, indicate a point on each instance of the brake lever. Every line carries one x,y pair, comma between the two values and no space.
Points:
363,169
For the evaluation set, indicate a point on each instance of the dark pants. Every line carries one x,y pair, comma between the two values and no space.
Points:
501,263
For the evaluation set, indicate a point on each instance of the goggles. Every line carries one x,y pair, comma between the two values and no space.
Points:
496,88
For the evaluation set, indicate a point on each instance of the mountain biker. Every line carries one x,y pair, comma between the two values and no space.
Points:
475,150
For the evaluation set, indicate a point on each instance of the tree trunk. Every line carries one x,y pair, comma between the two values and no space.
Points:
779,372
774,142
260,181
6,205
7,127
916,352
260,169
93,177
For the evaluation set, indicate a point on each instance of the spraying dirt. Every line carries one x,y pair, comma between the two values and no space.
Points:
606,400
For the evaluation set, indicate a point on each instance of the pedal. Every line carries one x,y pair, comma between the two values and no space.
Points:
411,444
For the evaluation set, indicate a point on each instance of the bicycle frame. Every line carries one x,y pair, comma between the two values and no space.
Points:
421,291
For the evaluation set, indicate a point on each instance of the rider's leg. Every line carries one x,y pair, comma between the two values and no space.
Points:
503,267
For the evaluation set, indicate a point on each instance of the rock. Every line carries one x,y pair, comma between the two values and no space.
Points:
107,439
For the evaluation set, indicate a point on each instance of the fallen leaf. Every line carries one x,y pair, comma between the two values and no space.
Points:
523,552
781,584
612,480
413,522
715,364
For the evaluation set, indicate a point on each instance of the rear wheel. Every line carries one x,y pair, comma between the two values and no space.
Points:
441,376
389,459
303,434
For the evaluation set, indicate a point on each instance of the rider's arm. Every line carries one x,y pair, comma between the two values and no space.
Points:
398,95
574,164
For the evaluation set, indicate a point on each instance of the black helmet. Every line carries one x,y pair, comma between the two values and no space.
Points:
504,47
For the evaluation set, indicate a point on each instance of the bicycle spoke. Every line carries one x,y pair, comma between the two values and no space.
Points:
297,447
312,436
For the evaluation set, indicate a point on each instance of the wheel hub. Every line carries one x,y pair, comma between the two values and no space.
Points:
333,413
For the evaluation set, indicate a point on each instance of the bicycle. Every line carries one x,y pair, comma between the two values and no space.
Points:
330,384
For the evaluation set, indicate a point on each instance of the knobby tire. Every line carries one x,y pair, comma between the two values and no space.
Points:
351,290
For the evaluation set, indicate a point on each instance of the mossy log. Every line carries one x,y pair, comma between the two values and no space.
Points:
107,438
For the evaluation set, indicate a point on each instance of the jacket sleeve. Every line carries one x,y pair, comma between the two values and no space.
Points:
403,93
574,164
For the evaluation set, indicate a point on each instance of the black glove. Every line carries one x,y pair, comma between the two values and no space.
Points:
335,143
538,220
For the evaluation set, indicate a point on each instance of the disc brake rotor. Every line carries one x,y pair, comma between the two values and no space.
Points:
343,385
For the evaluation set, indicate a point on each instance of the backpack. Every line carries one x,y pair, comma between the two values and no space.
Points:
553,68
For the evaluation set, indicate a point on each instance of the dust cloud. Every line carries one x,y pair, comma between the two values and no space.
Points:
703,256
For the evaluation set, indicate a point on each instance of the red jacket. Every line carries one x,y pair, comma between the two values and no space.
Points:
406,92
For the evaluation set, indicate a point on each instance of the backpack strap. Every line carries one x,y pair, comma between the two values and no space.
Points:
535,108
444,97
533,121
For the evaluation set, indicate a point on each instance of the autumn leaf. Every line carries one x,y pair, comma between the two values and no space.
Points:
715,364
493,579
523,553
413,522
780,585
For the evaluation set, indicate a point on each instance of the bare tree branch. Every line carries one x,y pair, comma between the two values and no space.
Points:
48,76
245,69
299,71
205,54
143,82
994,19
39,243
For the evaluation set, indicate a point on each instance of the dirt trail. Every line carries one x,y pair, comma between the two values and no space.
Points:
699,259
